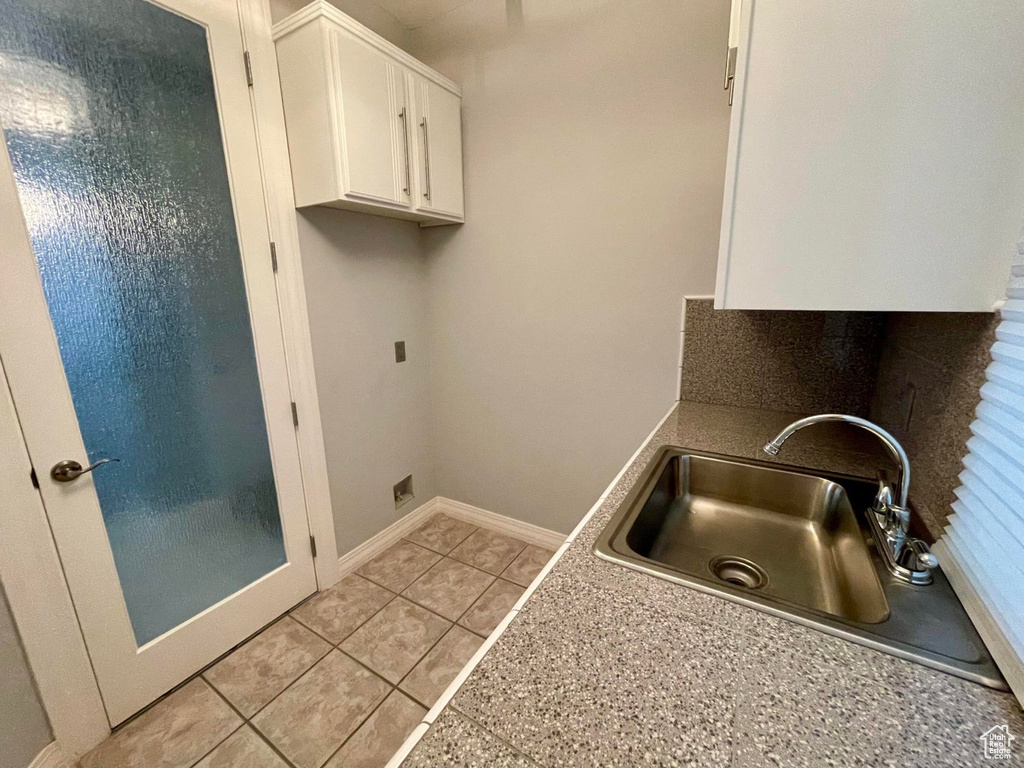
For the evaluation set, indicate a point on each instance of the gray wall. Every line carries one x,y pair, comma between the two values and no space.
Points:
366,285
542,334
24,730
595,143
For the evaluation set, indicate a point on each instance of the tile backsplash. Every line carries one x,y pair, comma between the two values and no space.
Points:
928,387
916,374
784,361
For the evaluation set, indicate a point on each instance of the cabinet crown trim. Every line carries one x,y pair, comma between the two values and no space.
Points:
323,9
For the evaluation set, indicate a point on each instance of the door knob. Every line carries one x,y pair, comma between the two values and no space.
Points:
69,469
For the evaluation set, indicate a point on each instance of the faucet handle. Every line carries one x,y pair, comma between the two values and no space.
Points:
883,497
883,507
923,553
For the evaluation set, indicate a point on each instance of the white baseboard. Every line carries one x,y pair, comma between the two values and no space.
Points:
370,548
474,514
531,534
51,756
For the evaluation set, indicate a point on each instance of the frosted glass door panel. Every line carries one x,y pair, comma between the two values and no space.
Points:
110,117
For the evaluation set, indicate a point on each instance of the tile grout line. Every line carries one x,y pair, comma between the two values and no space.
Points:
215,746
364,666
410,743
483,638
471,665
478,600
393,687
499,533
201,674
424,607
453,624
164,696
247,721
266,738
360,626
500,739
418,661
369,714
397,686
395,595
432,516
235,709
280,693
494,578
460,626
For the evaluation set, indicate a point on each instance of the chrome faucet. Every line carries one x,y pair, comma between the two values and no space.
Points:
905,557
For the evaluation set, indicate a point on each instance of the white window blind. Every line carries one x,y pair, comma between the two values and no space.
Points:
982,550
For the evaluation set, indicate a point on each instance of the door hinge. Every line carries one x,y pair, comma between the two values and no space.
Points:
273,255
248,68
730,71
35,478
312,545
295,414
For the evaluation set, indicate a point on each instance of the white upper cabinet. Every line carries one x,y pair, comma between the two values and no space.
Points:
371,105
438,114
369,127
876,155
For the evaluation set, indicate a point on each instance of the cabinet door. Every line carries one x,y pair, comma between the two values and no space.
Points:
874,156
439,125
371,96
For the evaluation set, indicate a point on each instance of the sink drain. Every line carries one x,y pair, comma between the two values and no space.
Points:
739,571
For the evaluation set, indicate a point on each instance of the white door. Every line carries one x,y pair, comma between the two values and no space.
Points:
139,322
374,121
439,122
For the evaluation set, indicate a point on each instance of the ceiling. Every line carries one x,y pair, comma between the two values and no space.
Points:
413,13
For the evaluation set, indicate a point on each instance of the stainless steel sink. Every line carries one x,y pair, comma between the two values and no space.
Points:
793,544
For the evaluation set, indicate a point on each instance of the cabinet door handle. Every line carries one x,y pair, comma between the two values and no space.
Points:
405,133
426,157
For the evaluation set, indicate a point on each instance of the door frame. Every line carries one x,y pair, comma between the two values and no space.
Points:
29,564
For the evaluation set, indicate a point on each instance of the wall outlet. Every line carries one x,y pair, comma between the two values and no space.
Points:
403,491
399,351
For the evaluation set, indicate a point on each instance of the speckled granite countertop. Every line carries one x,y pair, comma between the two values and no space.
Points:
607,666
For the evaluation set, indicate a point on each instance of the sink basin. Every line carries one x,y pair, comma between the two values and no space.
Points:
795,544
789,535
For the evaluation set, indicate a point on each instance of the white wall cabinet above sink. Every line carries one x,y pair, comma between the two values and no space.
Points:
876,155
369,127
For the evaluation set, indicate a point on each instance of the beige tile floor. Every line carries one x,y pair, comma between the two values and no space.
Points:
347,675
